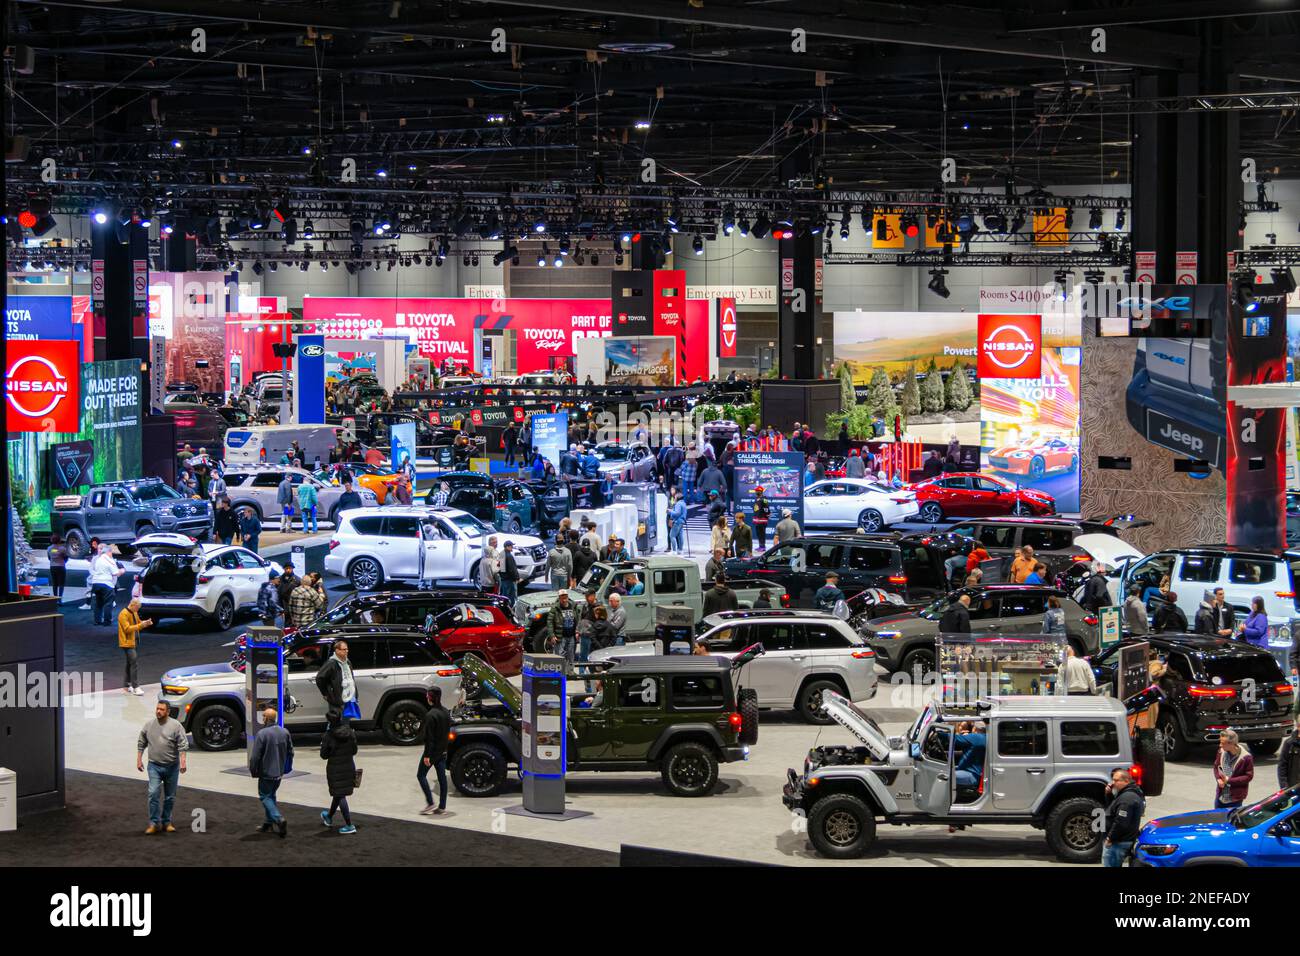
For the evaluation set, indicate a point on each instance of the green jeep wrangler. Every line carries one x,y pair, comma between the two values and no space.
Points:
679,715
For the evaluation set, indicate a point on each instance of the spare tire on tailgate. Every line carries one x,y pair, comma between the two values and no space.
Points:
1149,754
747,702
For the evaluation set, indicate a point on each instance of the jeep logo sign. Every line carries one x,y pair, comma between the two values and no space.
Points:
1185,439
1009,346
313,351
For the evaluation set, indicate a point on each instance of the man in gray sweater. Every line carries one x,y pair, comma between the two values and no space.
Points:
272,756
165,739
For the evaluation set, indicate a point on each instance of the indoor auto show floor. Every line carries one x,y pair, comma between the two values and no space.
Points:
744,819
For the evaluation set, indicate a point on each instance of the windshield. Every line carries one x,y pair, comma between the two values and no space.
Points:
934,611
1231,670
154,492
470,524
273,395
595,575
918,726
611,452
1267,809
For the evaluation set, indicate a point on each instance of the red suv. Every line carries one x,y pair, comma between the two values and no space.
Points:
972,495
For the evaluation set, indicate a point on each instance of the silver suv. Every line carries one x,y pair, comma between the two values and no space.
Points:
805,654
393,667
258,487
1037,761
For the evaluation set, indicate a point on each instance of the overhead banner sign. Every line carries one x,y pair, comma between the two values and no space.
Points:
643,360
727,328
157,373
740,294
41,386
1009,346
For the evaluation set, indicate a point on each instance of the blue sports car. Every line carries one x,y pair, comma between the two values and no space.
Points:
1266,833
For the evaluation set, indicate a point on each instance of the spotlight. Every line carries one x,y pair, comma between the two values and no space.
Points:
303,266
539,225
743,226
274,265
509,252
356,230
257,267
167,229
1062,279
697,245
618,258
308,230
1069,219
543,256
464,260
674,217
728,221
289,231
911,228
559,262
564,245
595,259
1094,219
100,216
43,225
937,284
1119,220
1244,292
761,226
844,228
1284,280
995,222
1017,221
882,229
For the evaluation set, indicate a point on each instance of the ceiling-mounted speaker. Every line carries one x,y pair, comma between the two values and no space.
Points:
179,252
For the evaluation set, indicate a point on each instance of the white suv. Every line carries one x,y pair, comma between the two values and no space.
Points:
805,653
183,578
414,543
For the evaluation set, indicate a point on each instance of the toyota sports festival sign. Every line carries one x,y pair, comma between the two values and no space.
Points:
42,386
1010,346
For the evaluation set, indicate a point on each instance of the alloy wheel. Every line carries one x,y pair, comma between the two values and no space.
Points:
365,575
841,828
689,772
1078,832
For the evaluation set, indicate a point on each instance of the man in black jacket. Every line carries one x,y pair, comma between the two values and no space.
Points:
335,677
956,620
509,577
1170,617
436,730
720,597
1125,804
349,498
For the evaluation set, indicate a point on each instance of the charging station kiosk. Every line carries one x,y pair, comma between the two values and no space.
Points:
264,674
545,733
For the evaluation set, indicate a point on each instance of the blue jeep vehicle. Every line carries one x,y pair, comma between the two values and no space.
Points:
1266,833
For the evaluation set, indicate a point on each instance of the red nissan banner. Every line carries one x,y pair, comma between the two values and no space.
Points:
727,328
444,328
43,385
1010,346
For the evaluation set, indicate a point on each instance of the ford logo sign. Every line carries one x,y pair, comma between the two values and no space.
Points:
313,351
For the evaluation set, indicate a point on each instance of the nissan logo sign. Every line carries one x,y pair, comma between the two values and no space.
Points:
313,351
1008,346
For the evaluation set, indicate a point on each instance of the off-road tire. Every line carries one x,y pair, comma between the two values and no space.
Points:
478,770
810,700
216,727
77,542
401,722
1176,745
1149,754
690,769
747,705
841,826
1072,830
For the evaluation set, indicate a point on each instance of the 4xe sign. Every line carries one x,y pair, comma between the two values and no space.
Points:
42,384
1010,346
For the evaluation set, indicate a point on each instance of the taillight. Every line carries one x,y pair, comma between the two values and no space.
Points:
867,653
449,672
333,544
900,501
1284,688
1080,557
205,579
1215,693
899,579
735,720
785,600
1090,621
1135,771
1285,594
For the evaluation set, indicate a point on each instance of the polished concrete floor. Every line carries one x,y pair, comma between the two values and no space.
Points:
744,819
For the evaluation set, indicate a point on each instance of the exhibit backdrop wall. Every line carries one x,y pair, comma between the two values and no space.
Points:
1182,508
112,400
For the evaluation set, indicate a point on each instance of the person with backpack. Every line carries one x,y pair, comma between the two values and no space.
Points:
1170,617
829,594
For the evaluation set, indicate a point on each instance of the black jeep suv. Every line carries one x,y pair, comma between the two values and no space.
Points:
1214,684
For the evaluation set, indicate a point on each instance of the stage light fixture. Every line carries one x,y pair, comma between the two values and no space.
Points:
558,262
882,229
356,230
911,228
274,265
1094,219
543,256
937,285
697,245
995,222
761,226
100,216
1119,219
539,225
1244,292
1284,279
308,230
257,267
595,258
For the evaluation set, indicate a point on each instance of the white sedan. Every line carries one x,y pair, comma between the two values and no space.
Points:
857,503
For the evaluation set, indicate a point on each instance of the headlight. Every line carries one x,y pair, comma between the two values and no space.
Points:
175,690
1284,633
1019,454
1158,849
888,635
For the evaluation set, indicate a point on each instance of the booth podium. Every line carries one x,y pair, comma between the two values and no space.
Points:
544,744
265,678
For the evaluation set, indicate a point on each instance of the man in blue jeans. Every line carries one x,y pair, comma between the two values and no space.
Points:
1125,804
271,759
437,731
165,740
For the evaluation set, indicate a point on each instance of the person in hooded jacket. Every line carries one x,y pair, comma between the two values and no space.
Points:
435,733
956,619
1170,617
854,466
583,559
1125,805
711,479
1211,618
337,749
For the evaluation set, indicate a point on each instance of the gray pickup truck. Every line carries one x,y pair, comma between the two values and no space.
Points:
651,581
119,512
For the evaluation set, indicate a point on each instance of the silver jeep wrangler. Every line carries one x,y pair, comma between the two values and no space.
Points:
1040,761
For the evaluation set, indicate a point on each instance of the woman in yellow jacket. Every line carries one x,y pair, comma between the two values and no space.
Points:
129,626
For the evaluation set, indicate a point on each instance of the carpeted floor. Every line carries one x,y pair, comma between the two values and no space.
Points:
103,825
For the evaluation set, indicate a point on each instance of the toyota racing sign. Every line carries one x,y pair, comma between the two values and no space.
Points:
42,383
1010,346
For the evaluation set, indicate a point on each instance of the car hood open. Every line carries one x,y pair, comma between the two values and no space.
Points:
839,709
490,680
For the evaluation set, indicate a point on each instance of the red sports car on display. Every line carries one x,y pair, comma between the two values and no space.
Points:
1035,457
482,630
972,495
